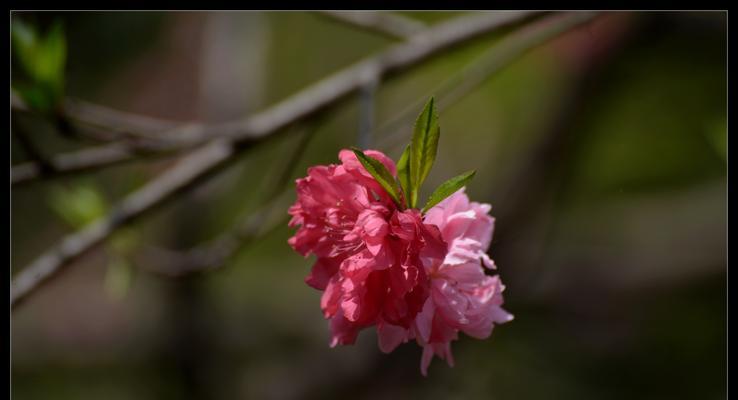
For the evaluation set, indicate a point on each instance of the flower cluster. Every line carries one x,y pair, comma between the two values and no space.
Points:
382,262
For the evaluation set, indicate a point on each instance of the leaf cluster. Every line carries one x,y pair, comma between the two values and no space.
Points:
415,164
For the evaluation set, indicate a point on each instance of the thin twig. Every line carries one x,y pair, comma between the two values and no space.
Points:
314,98
191,168
126,137
481,68
30,148
102,117
78,161
76,244
108,118
388,24
214,253
88,159
395,59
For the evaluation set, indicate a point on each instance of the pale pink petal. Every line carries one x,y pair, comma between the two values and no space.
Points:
424,321
390,336
463,298
426,359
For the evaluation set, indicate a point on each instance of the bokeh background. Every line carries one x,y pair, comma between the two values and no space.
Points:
603,153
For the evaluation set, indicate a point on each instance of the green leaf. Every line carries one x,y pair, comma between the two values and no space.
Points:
24,40
403,173
34,96
424,146
78,206
380,173
42,60
447,189
52,57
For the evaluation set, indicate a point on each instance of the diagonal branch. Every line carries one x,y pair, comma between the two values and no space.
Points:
479,70
106,118
87,159
393,60
388,24
240,134
216,252
30,148
101,116
323,94
75,245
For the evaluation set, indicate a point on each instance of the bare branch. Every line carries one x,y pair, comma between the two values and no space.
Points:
108,118
310,100
90,159
102,117
78,161
397,58
127,136
481,68
30,148
392,25
78,243
201,162
216,252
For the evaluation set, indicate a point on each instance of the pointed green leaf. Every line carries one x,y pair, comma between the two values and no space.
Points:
42,58
78,206
24,40
380,173
34,96
52,57
448,188
423,148
403,173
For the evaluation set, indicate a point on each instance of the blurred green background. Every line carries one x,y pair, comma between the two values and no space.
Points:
603,153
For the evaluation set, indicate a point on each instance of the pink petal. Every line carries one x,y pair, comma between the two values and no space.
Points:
390,336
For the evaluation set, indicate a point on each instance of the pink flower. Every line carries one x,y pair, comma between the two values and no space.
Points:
329,201
369,262
462,297
412,276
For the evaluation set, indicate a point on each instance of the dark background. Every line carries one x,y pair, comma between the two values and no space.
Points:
602,152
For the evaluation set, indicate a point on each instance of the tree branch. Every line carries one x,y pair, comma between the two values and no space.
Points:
215,253
388,24
301,105
108,118
102,116
88,159
76,244
127,137
481,68
30,148
240,134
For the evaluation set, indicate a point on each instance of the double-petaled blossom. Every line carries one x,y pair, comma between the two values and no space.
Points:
412,276
463,298
368,251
